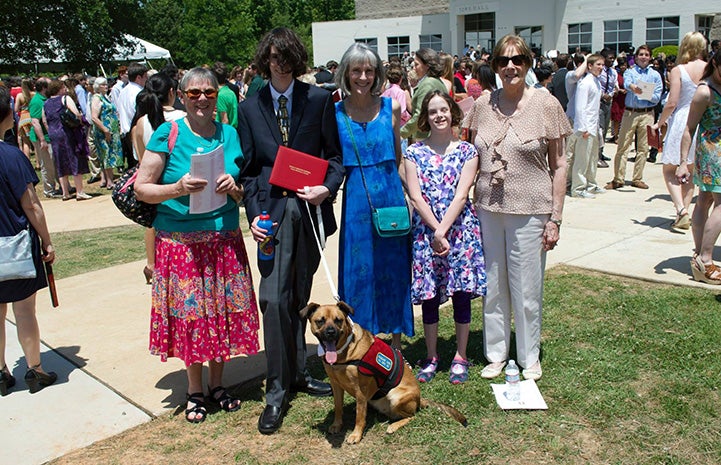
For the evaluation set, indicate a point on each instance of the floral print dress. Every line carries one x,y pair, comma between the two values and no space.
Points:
708,147
110,153
463,269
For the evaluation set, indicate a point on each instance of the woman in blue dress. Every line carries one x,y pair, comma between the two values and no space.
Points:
374,272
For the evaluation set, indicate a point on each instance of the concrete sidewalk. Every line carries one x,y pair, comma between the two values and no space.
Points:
97,339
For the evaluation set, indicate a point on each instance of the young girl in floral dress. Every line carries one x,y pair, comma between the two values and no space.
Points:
447,253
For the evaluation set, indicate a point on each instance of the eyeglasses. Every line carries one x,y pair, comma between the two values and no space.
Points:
517,60
195,93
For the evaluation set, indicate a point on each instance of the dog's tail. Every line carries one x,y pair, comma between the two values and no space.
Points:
447,409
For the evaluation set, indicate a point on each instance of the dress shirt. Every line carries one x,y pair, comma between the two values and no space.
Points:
587,105
608,79
571,83
115,92
126,105
288,94
635,75
82,95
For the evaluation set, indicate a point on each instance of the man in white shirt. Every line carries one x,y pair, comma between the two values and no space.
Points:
587,101
137,75
119,84
571,80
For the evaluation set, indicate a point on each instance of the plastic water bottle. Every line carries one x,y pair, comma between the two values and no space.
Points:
513,382
266,248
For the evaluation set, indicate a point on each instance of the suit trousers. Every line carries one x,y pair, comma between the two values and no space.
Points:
633,123
585,163
515,265
570,147
604,120
284,290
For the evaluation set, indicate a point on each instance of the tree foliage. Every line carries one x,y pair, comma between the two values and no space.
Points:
78,32
196,32
204,31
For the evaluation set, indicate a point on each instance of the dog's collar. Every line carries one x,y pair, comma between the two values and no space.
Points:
321,349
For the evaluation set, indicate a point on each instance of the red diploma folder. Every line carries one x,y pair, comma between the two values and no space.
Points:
654,138
294,170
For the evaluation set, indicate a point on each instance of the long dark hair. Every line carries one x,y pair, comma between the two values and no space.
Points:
708,71
151,99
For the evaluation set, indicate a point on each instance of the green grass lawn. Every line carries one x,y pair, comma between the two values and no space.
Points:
631,376
94,249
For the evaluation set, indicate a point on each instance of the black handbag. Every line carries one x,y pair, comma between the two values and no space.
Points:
387,221
69,119
124,196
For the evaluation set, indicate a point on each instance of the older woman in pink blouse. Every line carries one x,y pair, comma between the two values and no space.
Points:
519,132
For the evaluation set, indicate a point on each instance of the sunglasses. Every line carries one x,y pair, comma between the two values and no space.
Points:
517,60
195,93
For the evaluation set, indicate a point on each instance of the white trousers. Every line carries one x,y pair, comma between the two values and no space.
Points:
585,163
515,264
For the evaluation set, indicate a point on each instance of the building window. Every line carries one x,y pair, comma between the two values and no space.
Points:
617,35
371,43
434,41
398,45
704,25
533,35
662,31
579,36
480,31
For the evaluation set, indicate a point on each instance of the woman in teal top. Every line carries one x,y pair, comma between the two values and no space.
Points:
203,304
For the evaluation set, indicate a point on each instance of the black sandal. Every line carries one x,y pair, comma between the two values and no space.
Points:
224,401
199,400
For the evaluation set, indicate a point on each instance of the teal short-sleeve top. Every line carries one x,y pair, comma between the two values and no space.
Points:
174,214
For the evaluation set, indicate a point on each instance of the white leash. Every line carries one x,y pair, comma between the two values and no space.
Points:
321,245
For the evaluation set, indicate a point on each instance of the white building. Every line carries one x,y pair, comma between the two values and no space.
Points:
393,28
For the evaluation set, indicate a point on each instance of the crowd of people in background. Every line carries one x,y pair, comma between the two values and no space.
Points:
521,129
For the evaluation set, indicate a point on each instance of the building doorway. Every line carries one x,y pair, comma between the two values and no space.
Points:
480,31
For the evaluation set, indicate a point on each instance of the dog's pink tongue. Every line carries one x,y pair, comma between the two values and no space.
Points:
331,356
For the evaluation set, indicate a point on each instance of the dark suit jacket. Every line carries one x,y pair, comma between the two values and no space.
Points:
313,130
558,87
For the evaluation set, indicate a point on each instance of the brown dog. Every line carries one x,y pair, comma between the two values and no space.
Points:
355,360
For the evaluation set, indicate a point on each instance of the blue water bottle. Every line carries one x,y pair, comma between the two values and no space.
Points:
266,248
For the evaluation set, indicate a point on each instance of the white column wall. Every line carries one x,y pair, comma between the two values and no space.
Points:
332,39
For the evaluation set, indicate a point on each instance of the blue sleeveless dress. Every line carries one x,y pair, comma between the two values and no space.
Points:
374,273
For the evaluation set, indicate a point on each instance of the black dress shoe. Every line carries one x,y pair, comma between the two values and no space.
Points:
271,418
314,388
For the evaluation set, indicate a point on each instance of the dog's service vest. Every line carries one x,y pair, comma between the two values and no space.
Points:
384,363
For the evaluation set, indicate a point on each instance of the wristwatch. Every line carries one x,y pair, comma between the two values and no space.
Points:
556,222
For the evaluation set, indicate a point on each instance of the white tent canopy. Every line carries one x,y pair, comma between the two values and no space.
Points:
140,50
136,50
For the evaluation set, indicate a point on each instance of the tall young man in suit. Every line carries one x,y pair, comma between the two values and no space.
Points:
286,281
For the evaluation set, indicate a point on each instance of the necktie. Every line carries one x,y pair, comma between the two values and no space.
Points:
608,80
282,116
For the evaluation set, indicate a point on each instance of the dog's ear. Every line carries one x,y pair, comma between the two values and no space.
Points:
308,311
345,308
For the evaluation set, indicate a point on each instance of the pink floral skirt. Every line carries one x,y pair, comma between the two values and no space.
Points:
204,306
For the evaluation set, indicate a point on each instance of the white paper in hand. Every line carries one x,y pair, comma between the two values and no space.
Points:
531,398
209,166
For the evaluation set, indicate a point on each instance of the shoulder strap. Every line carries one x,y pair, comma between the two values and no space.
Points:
173,136
714,89
360,165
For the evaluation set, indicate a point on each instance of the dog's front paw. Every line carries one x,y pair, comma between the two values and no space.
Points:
335,428
355,437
